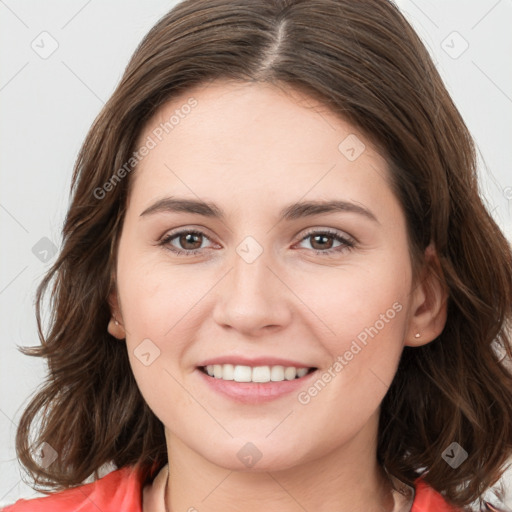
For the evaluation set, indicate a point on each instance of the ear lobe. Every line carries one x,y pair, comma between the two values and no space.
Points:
429,303
115,324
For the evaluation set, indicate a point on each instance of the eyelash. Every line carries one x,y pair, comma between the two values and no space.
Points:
347,243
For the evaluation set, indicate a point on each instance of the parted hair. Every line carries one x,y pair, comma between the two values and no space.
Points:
365,63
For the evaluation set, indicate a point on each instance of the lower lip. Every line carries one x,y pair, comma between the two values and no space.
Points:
254,392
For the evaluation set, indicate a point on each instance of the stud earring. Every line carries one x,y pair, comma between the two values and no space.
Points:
116,322
417,335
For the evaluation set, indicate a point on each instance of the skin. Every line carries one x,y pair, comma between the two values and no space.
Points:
252,149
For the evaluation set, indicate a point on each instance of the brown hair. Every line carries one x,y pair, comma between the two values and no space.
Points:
363,61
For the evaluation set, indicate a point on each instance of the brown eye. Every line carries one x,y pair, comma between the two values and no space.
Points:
187,242
322,242
190,241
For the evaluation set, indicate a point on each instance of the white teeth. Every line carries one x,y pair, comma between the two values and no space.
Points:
277,373
228,372
261,374
301,372
289,373
240,373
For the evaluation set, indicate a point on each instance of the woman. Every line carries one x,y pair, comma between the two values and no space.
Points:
278,284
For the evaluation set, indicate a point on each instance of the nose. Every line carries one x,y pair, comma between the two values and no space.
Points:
253,298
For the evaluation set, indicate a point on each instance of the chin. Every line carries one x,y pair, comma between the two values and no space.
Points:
254,456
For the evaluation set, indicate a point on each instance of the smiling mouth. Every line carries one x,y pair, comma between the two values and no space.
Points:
256,374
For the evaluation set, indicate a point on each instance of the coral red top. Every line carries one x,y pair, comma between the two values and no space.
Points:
121,491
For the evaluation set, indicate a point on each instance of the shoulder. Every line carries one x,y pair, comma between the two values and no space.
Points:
427,499
117,491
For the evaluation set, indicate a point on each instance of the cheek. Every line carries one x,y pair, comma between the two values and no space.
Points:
360,303
158,308
366,314
156,299
360,319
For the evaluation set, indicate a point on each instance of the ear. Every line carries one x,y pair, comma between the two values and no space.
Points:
428,303
115,324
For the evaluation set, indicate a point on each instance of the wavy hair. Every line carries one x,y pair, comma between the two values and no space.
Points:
365,63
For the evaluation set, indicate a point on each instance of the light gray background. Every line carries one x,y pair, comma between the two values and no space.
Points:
49,102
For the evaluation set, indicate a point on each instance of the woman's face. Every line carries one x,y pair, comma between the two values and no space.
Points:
266,281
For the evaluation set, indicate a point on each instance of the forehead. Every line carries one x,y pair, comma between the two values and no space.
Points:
254,140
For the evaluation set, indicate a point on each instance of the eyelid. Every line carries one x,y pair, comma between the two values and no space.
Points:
329,231
170,235
314,230
348,242
187,229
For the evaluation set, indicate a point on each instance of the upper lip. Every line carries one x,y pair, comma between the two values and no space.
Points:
256,361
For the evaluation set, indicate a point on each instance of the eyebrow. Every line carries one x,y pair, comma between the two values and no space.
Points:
293,211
